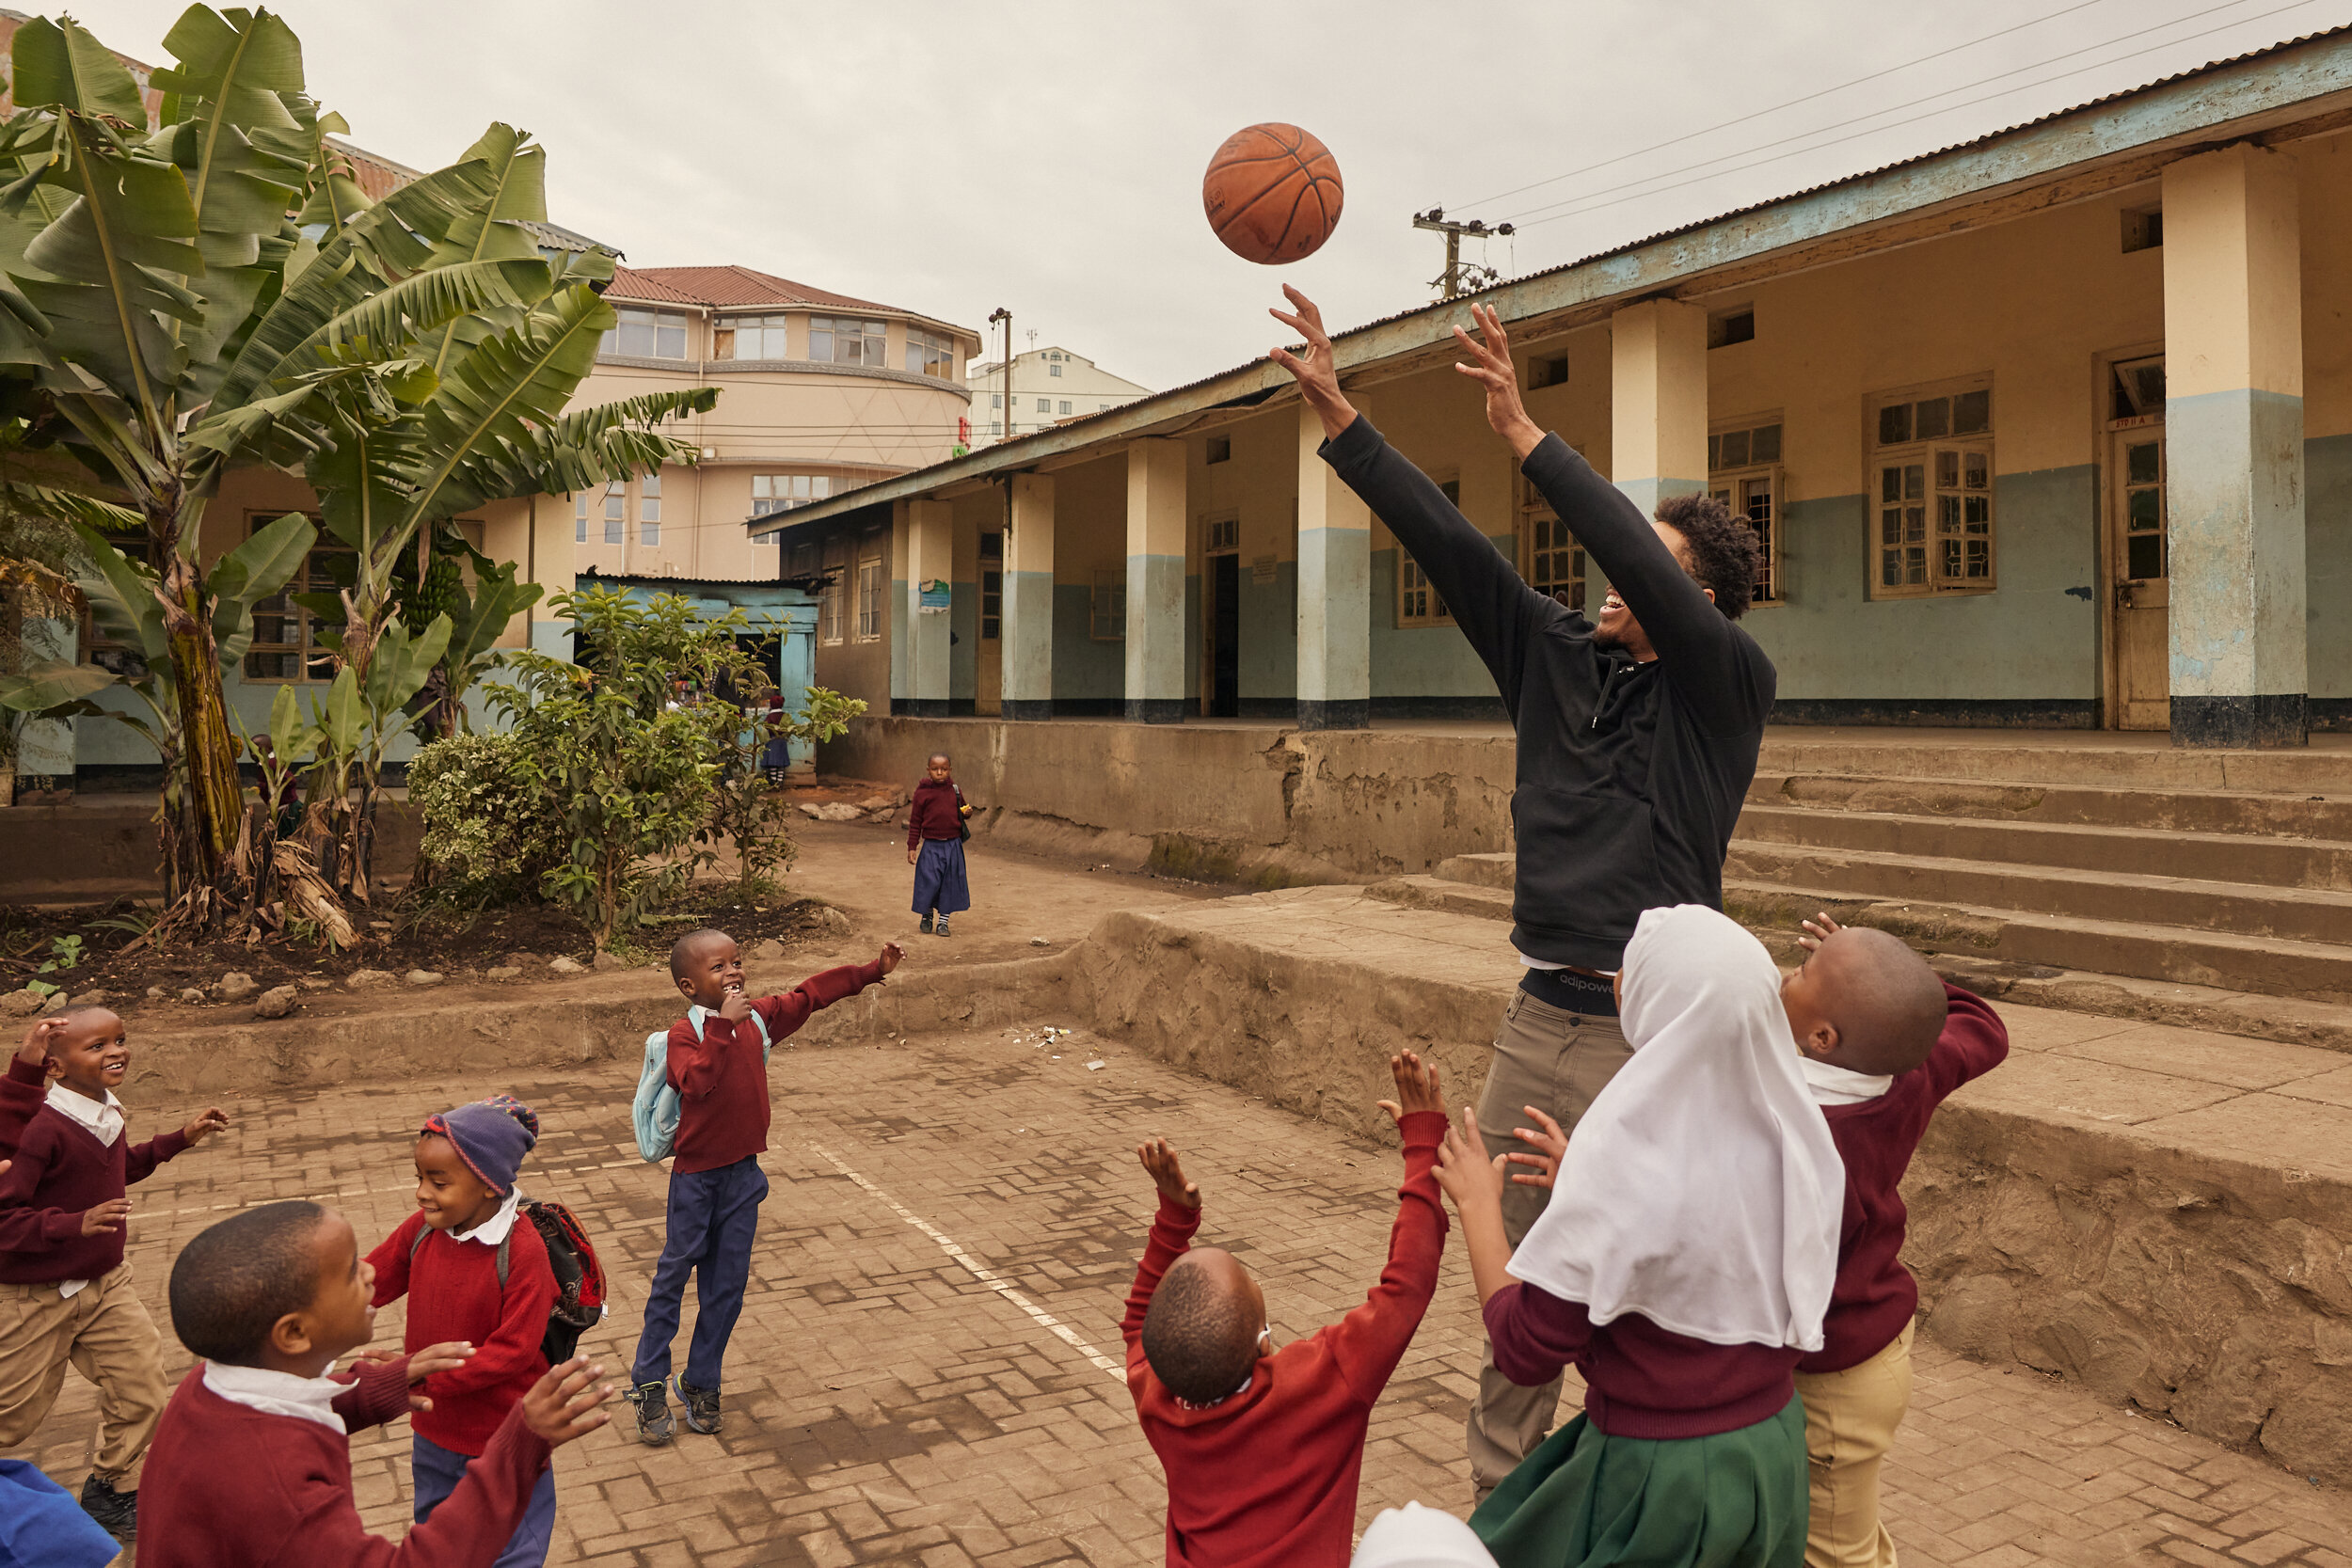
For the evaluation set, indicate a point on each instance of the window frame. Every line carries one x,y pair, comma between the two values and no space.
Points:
654,319
649,509
935,353
1725,480
1892,459
617,513
726,335
831,609
580,516
798,490
316,662
1534,514
866,332
992,559
873,588
1417,602
1106,605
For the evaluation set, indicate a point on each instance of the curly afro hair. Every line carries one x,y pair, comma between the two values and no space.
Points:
1722,548
1195,1335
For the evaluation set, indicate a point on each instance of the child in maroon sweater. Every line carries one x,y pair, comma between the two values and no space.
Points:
474,1271
1885,1041
935,846
65,1292
252,1464
718,1064
1263,1448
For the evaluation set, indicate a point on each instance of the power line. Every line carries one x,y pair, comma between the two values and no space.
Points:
1742,119
1708,173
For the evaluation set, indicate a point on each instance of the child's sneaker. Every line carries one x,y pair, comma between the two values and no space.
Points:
701,1406
926,927
117,1512
942,925
654,1426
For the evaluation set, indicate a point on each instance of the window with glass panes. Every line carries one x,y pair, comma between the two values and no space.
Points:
649,510
1743,473
616,513
846,341
787,492
1931,464
991,586
579,518
1417,603
646,335
830,603
929,354
873,582
1554,561
1107,605
748,338
286,642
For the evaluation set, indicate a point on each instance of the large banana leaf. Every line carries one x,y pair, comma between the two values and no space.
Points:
252,572
60,64
494,232
122,597
51,685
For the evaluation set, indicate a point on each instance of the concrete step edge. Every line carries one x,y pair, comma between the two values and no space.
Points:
2187,887
2001,825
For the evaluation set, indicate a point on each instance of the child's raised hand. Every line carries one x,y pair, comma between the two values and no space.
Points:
35,1051
1416,1088
1550,1142
1470,1178
888,960
735,1008
105,1218
562,1404
206,1123
1167,1173
1817,931
446,1357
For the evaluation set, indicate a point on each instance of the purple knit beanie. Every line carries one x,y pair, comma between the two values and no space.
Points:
491,1135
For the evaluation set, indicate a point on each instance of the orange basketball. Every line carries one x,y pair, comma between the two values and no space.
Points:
1272,194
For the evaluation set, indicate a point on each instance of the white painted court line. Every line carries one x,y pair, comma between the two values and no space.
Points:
964,1260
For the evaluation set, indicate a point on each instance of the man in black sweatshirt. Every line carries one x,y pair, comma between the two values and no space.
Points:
1637,740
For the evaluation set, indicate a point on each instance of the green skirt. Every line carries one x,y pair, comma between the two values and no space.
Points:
1584,1499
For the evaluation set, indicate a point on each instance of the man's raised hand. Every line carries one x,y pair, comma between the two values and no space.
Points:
1167,1173
1490,367
1416,1088
1316,371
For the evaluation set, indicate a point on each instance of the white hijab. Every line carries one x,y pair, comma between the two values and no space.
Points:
1417,1537
1701,1190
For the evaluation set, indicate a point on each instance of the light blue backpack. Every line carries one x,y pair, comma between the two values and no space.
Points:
654,1107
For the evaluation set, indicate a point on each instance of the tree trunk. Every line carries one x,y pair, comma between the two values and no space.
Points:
212,801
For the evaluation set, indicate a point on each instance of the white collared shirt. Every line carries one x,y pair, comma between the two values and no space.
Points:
102,1121
304,1399
1838,1086
490,1233
102,1118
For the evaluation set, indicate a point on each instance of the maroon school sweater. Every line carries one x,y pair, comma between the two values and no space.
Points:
226,1483
22,1090
1639,1380
454,1294
59,1170
722,1074
1875,1295
935,813
1267,1476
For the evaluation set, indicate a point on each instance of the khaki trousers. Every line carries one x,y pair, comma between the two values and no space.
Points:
1850,1422
1556,1061
105,1332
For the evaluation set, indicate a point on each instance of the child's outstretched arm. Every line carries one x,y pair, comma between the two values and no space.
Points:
1171,1237
26,1082
1474,1182
1369,1342
786,1012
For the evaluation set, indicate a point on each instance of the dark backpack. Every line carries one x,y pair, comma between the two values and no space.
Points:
579,1277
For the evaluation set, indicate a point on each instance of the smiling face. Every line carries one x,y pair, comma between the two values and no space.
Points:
709,970
92,1055
449,1194
1616,627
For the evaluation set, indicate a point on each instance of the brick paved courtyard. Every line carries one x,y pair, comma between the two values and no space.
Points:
920,1371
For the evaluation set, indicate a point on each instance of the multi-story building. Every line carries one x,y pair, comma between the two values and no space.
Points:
1049,385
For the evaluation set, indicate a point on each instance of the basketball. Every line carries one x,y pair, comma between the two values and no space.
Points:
1272,194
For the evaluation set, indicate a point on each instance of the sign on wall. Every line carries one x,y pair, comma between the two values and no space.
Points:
937,596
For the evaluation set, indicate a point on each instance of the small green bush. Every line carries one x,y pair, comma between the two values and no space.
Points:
490,833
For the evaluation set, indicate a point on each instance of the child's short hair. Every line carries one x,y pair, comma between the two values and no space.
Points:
238,1277
682,950
1196,1337
1889,1000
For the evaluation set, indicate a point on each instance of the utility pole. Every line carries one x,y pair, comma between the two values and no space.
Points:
1449,283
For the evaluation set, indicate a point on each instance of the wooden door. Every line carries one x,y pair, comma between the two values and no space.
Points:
989,667
2140,616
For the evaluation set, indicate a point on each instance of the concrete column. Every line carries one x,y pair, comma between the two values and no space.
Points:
901,613
930,558
1658,400
1155,582
1334,591
2234,434
1028,629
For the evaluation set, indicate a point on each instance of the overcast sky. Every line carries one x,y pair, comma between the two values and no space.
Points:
1047,157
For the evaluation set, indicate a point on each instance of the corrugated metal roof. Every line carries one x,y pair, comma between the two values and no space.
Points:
726,286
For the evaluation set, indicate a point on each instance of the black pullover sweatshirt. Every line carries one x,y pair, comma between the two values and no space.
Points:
1629,775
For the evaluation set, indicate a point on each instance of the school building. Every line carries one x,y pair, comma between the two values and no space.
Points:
2049,429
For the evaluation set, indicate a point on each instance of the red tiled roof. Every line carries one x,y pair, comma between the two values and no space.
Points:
730,285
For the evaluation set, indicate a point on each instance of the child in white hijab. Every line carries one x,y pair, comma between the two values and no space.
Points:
1683,1266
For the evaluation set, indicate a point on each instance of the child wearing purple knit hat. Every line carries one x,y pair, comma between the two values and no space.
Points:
445,1259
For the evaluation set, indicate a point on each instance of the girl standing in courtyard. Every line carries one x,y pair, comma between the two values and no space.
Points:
935,834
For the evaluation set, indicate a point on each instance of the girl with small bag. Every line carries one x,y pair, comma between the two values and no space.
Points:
937,828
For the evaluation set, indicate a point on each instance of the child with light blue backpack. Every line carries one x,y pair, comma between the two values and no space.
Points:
701,1100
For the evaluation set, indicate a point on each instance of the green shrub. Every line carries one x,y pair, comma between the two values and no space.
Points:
488,832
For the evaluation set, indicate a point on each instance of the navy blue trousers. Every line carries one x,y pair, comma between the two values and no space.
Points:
714,1215
438,1471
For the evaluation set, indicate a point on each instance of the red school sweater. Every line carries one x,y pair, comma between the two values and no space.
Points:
722,1074
1268,1475
453,1290
228,1485
1639,1380
60,1169
935,814
1875,1295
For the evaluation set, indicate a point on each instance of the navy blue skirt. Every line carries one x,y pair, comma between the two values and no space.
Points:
939,882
